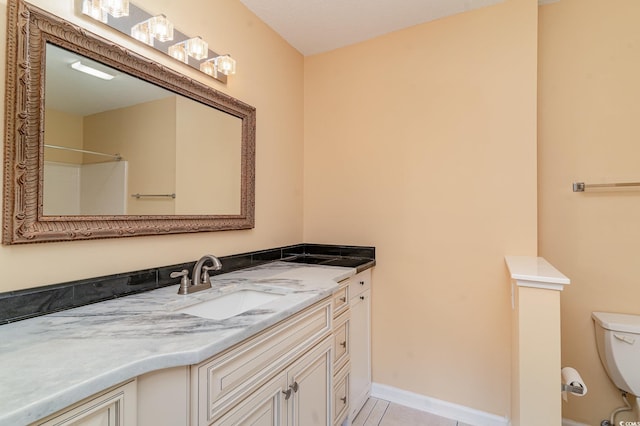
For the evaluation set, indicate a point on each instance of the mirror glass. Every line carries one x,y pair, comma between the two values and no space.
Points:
115,144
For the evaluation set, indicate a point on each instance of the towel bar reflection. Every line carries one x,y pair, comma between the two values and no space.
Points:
581,186
138,196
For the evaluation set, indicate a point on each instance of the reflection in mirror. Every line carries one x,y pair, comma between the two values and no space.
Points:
118,145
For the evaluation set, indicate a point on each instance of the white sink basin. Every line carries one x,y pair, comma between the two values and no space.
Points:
230,305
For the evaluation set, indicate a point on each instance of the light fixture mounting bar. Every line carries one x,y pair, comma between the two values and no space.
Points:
137,15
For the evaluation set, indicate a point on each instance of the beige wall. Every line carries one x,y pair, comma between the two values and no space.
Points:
145,136
270,78
423,143
208,152
589,131
63,129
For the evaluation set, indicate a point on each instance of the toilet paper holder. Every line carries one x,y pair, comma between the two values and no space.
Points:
573,389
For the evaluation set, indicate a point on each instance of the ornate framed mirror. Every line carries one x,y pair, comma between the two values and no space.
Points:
87,158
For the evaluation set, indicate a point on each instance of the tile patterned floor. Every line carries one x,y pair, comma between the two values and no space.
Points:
378,412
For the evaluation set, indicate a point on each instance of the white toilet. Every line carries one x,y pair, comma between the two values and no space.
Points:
618,342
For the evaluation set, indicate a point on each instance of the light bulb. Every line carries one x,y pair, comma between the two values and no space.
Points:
197,48
209,68
178,52
141,33
93,8
161,28
226,65
116,8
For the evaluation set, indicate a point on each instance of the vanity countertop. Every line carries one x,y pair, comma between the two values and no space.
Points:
50,362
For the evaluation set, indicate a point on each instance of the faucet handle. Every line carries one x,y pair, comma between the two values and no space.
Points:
177,274
185,282
206,278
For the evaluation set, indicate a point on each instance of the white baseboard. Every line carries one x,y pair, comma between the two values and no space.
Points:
438,407
569,422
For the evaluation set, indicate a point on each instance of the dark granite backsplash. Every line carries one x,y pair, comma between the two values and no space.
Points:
23,304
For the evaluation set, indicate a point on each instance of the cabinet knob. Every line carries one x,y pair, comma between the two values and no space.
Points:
361,282
343,299
344,399
287,394
294,387
344,344
361,297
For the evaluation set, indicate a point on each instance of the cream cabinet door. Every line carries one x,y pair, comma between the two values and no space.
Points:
114,408
264,407
310,383
360,339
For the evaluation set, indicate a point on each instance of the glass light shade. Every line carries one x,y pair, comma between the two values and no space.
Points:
141,33
116,8
161,28
197,48
93,8
209,68
178,52
226,65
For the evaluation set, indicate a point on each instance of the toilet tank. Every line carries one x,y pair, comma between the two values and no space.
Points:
618,342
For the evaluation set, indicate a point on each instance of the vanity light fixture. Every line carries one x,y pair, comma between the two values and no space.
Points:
178,51
158,32
79,66
99,9
141,33
197,48
116,8
161,28
226,64
94,9
223,64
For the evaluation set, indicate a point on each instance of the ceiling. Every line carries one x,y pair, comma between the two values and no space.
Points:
316,26
76,93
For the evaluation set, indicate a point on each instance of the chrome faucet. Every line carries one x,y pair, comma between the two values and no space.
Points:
201,279
200,270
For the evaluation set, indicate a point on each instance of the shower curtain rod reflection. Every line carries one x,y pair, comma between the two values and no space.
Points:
581,186
118,157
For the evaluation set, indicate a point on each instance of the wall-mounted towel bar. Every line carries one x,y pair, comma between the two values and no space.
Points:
581,186
118,157
138,196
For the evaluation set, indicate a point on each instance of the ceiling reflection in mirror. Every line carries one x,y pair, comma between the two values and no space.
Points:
117,145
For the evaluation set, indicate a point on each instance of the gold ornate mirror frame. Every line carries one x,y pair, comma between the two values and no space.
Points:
28,30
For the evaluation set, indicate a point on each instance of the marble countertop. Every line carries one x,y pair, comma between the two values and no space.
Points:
50,362
536,272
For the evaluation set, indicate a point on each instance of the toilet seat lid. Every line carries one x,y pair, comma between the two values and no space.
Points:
628,323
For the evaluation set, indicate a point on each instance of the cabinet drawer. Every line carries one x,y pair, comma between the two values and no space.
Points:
219,382
360,283
341,299
341,340
341,395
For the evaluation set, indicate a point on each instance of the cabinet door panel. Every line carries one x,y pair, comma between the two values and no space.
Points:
264,407
114,408
360,338
311,380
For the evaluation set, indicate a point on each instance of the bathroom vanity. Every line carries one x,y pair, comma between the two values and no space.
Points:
302,357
